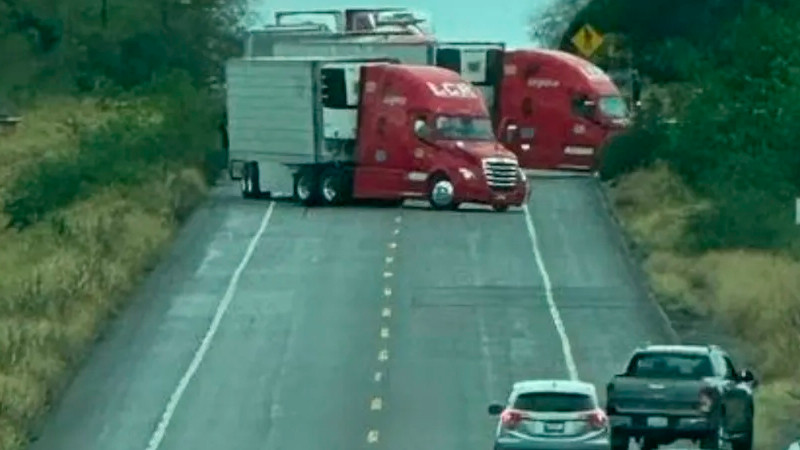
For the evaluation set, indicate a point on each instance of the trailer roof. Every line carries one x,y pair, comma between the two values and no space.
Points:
318,58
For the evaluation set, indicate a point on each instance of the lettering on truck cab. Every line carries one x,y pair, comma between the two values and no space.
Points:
448,89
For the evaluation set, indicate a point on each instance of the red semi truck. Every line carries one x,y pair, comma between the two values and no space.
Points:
367,128
554,110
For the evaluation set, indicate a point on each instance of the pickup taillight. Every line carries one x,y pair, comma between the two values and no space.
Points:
706,400
510,418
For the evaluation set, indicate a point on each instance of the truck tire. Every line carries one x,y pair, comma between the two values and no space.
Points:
500,208
305,187
333,186
619,441
250,182
713,440
441,193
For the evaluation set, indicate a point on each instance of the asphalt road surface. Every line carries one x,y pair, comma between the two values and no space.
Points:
270,326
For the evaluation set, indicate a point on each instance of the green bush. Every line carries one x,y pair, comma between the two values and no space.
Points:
166,131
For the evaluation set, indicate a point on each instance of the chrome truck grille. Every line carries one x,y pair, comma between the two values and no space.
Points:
501,173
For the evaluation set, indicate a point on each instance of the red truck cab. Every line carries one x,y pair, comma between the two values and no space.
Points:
557,110
424,132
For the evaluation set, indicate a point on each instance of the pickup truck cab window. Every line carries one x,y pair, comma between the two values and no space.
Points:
670,365
730,369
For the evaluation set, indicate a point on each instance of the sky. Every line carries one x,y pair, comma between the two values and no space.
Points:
504,20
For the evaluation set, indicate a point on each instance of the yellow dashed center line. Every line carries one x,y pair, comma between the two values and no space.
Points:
376,404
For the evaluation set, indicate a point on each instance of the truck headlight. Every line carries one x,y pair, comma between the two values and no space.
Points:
466,173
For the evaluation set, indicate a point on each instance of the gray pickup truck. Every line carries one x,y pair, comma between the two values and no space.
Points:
673,392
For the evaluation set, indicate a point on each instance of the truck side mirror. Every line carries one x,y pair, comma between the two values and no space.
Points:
748,377
511,132
421,129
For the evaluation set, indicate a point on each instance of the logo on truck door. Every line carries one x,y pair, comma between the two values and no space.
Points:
457,90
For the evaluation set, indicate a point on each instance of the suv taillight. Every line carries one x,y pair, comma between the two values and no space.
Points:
510,418
597,419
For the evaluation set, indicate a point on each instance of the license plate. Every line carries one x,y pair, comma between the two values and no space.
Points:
500,197
554,427
657,422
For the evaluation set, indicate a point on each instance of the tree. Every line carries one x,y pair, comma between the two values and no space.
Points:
548,27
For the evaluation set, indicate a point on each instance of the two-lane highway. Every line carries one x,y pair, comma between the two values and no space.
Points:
277,327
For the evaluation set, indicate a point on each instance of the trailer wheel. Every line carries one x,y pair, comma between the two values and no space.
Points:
332,186
441,193
305,187
500,208
250,183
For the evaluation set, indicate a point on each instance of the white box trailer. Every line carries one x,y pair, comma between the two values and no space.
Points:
277,115
480,63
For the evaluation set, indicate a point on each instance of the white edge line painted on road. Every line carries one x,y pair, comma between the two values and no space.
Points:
166,417
548,290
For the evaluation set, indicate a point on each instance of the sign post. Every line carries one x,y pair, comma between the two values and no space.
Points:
587,40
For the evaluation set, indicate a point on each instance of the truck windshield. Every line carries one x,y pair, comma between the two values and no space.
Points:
614,107
464,128
670,365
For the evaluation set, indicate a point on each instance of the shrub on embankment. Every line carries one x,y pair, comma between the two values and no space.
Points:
92,192
118,142
706,180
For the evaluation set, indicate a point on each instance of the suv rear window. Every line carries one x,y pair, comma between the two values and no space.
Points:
670,365
554,402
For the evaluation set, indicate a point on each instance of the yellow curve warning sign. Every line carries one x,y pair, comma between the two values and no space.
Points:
587,40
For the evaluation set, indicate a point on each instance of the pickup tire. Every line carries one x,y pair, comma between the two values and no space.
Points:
712,441
619,441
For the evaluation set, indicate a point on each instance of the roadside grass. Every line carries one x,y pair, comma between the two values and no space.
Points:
753,295
65,274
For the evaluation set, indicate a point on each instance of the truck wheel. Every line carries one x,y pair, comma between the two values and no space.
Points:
713,440
332,189
619,441
649,444
441,192
250,183
500,208
305,187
